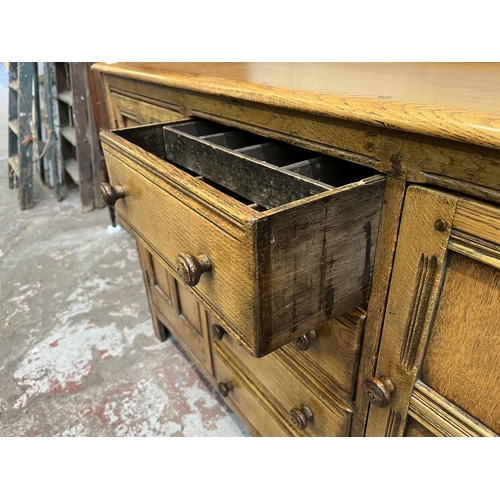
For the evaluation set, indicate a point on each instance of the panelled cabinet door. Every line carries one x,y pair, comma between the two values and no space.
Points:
174,307
438,371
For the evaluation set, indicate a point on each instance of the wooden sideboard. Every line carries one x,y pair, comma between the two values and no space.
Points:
347,285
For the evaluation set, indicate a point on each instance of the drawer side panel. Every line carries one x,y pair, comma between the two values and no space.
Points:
318,264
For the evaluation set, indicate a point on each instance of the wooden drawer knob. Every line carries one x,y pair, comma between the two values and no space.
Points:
224,389
110,194
299,417
304,341
191,268
379,390
218,332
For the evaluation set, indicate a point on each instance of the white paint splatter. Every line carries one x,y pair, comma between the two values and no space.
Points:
132,311
193,425
120,264
195,395
61,362
77,430
60,254
138,412
20,301
115,229
84,298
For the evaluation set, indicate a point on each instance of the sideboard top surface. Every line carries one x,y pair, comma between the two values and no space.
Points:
458,101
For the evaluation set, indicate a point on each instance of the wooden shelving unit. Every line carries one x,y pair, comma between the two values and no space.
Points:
76,156
73,120
54,119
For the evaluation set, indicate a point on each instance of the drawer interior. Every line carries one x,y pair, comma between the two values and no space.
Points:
258,171
254,170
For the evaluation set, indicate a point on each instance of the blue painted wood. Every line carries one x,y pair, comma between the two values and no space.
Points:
22,135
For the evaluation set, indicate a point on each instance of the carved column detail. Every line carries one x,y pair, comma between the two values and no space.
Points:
426,275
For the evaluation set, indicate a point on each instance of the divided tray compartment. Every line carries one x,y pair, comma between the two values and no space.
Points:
281,239
261,172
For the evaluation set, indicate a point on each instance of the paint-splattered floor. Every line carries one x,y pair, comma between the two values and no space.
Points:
78,355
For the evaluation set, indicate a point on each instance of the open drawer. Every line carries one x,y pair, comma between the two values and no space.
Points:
273,238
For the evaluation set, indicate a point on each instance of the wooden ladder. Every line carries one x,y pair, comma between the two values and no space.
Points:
22,116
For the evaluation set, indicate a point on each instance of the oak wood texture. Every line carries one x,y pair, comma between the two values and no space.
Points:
273,275
249,403
331,358
440,340
384,257
129,112
179,311
412,97
319,108
469,375
415,429
441,417
434,124
148,276
174,306
288,388
333,354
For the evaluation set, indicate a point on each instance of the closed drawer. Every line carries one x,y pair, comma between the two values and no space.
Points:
288,253
290,390
332,352
130,111
247,400
329,354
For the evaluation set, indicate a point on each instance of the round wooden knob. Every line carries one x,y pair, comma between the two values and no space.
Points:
110,194
218,332
223,389
299,417
191,268
304,341
379,390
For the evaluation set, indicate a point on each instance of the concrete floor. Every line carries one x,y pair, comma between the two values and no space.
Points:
78,356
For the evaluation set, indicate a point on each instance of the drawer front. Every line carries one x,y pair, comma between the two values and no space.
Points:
248,401
273,271
130,112
171,221
290,390
332,352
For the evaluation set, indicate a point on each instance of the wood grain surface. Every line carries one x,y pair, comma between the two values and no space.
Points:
458,101
462,361
287,388
415,285
432,307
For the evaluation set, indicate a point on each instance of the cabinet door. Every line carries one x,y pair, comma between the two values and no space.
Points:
175,308
439,359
